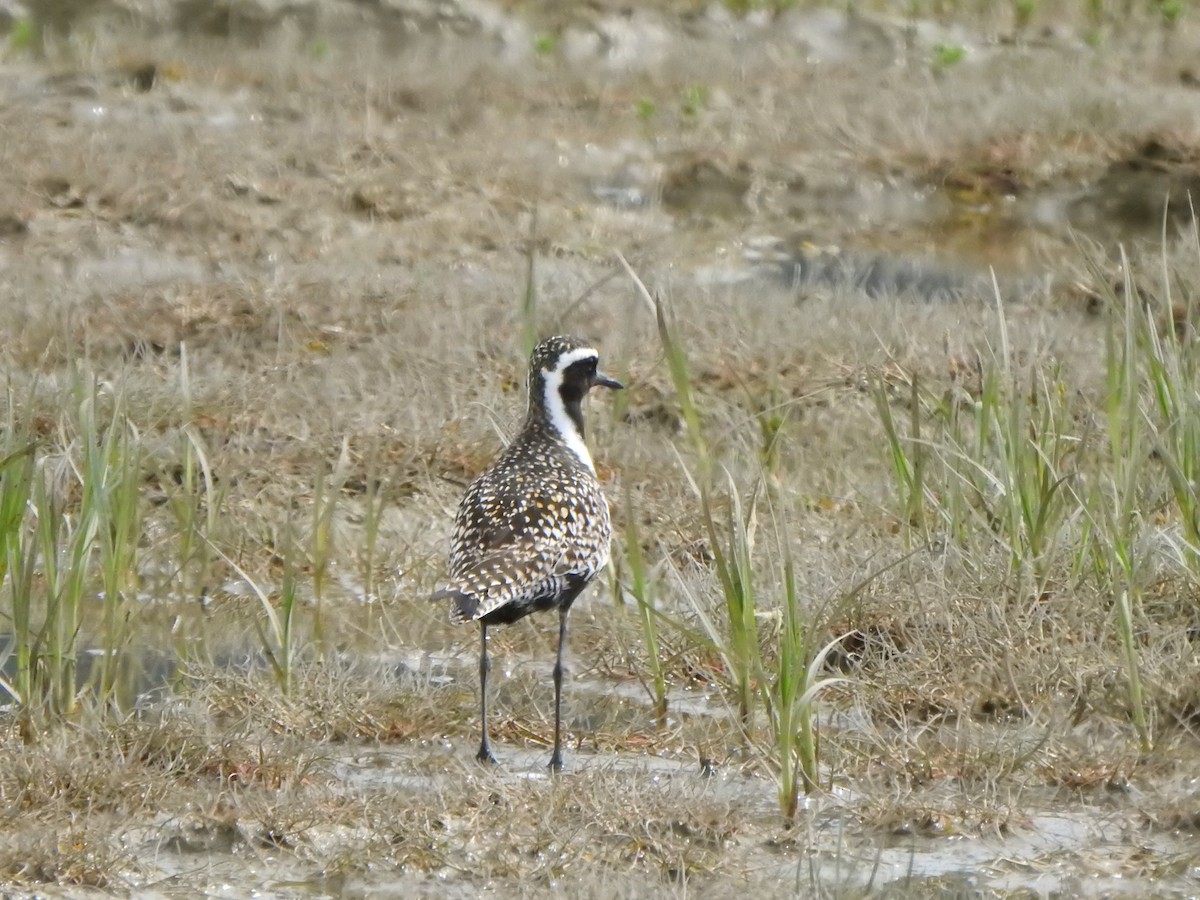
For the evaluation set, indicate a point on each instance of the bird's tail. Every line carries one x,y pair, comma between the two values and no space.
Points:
463,606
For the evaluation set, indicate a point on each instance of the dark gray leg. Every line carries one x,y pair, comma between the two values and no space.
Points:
556,763
485,751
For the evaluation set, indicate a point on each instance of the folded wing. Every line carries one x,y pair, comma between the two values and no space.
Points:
519,574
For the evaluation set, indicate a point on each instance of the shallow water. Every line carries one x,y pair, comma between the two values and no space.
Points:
1066,848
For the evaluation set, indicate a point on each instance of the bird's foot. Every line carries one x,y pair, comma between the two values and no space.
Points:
556,763
485,756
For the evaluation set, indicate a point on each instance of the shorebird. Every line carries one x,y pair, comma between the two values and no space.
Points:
533,530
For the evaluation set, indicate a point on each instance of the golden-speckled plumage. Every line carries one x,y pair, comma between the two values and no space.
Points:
535,525
533,530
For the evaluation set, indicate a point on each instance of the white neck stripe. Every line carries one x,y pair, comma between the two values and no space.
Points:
556,410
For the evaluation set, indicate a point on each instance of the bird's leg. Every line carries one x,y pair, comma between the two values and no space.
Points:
485,751
556,762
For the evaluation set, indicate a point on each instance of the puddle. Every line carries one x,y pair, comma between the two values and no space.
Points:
856,230
1075,852
1071,849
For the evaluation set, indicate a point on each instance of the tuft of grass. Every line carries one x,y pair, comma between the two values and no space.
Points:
790,699
999,468
277,639
731,540
909,457
695,101
70,525
1129,647
327,491
196,503
545,43
1023,13
947,55
1172,376
193,496
789,685
1026,441
373,501
112,466
1171,11
1017,468
17,474
25,35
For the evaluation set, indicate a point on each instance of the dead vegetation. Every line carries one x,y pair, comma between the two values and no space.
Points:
297,279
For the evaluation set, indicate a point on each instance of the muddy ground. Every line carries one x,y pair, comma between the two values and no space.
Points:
305,241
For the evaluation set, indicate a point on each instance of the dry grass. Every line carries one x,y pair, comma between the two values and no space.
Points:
304,270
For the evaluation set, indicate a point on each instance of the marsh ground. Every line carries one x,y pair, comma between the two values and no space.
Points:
293,244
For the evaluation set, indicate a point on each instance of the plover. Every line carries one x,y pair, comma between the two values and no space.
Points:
533,530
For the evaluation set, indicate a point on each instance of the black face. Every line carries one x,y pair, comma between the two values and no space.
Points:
577,378
561,372
582,376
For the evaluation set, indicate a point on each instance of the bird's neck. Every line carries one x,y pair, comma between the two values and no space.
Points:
559,416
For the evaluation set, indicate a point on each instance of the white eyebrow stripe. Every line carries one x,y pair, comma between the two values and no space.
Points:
571,357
